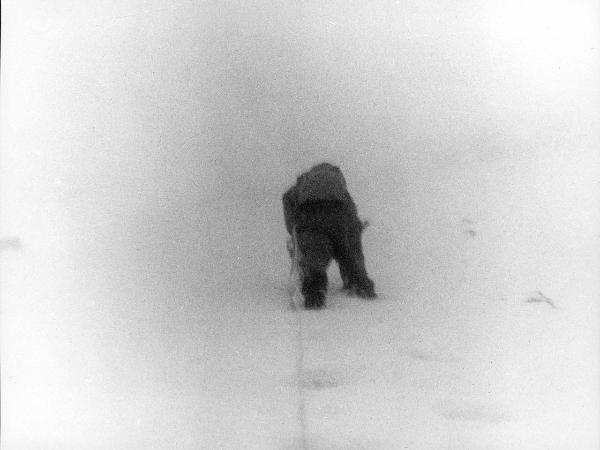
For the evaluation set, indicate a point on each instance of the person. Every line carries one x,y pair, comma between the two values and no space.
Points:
323,224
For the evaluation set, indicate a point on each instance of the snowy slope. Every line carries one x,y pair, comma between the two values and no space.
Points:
145,149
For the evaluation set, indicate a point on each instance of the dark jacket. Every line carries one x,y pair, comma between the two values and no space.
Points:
322,183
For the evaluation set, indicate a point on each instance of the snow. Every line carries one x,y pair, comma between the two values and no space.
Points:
145,149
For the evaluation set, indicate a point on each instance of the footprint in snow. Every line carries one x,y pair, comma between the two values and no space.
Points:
469,227
426,355
319,379
473,411
328,378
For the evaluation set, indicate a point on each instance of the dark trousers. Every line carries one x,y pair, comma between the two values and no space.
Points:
328,230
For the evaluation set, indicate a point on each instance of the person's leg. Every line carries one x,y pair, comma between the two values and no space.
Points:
316,253
344,273
350,258
314,286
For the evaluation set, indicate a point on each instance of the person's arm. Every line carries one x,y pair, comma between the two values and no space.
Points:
290,200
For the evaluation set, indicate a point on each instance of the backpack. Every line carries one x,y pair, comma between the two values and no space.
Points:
322,182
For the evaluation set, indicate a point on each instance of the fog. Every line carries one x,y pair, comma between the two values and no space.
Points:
145,149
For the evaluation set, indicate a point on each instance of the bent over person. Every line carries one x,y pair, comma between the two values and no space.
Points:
322,218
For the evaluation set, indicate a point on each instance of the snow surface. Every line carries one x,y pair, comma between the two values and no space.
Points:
145,149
